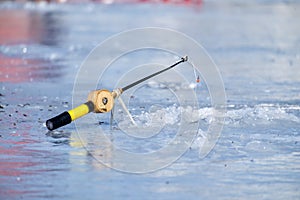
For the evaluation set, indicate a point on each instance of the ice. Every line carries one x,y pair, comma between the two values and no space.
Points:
261,114
255,46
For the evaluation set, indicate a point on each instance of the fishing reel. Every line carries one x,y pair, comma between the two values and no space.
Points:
99,101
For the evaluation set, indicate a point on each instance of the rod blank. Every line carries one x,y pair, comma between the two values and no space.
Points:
183,59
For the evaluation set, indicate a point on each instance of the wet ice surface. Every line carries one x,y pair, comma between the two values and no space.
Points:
255,46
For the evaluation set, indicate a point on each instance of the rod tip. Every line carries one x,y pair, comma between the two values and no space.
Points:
185,58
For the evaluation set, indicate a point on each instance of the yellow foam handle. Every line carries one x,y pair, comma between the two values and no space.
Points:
79,111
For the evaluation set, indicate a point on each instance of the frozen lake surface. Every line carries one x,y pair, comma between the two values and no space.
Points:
256,48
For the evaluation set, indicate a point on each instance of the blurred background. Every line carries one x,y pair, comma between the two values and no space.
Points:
255,45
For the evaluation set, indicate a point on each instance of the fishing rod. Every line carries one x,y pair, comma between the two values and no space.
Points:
99,101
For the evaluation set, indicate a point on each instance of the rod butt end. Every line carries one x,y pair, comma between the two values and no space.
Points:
58,121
